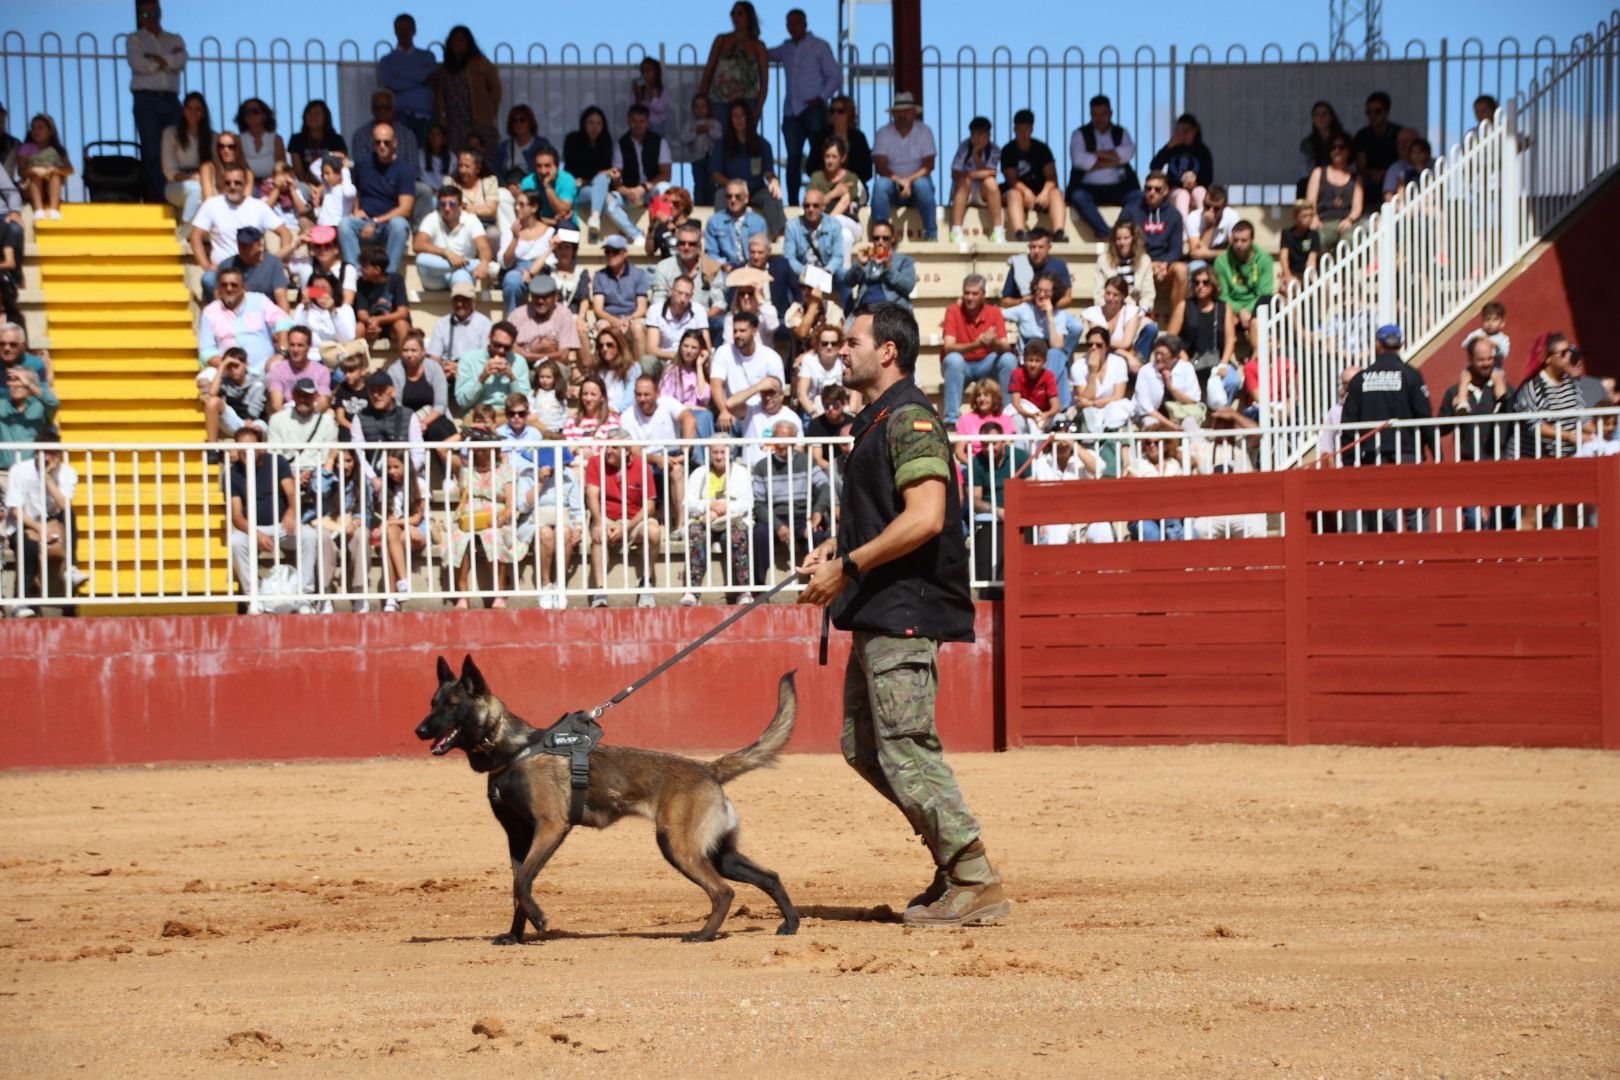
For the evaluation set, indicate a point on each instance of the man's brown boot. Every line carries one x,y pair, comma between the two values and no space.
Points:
973,894
935,890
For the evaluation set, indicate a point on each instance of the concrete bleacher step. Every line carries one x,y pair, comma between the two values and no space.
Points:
127,365
175,577
70,295
110,215
114,245
87,391
159,419
157,341
108,272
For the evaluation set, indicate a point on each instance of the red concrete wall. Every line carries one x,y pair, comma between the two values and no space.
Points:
210,688
1568,288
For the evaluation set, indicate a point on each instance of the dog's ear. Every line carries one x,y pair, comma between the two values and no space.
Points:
447,674
472,678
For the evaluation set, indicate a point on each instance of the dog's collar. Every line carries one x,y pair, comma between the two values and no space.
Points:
527,752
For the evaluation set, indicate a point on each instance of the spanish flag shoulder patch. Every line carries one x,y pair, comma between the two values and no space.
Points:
922,425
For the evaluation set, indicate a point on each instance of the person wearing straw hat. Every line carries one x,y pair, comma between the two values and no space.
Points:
903,158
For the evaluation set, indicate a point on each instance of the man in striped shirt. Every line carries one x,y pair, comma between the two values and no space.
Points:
1555,389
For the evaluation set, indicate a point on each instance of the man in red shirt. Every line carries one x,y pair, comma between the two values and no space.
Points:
618,495
1034,390
975,345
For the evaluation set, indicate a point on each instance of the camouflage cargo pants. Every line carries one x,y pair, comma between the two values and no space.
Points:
890,738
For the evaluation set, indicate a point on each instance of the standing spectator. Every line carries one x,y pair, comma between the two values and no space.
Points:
699,133
1101,152
1125,256
642,163
335,333
382,306
739,65
489,375
262,148
1246,275
557,189
1164,235
976,345
450,246
1035,389
1553,389
237,397
903,162
262,272
156,60
1482,390
792,498
1409,169
1387,389
648,89
588,158
741,369
1301,248
1209,232
216,229
315,141
1377,145
546,330
974,170
742,156
1208,325
27,413
298,364
812,79
725,237
410,74
814,239
185,149
43,167
619,294
844,122
514,158
719,509
844,191
1041,319
467,92
238,317
386,182
460,332
882,274
1337,195
1023,271
1315,149
523,249
363,140
421,386
1031,182
1186,160
271,522
39,507
619,500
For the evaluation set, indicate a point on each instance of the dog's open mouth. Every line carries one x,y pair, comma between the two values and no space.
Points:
441,745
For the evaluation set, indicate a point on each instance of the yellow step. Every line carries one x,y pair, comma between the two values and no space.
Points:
149,582
77,215
144,342
105,246
102,294
107,271
131,366
91,390
95,610
64,231
199,520
135,320
77,427
125,550
74,419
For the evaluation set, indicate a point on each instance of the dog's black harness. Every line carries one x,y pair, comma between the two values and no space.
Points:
573,736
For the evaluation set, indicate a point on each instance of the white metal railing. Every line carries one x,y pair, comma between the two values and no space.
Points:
1426,259
153,523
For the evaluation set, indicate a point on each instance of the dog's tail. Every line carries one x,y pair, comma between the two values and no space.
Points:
769,745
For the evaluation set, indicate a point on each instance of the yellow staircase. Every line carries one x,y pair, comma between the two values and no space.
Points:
125,357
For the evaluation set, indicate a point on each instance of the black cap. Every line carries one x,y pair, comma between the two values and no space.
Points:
249,234
304,386
378,378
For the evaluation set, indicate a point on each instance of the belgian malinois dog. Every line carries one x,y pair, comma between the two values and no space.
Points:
697,825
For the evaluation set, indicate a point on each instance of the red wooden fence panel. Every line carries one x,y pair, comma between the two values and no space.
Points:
1439,637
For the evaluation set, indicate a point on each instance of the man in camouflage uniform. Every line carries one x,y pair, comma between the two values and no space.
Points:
897,576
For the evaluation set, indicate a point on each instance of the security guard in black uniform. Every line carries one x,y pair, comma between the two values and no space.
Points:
897,577
1386,389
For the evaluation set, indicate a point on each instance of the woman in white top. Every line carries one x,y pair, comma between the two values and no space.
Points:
523,248
187,149
1125,255
261,146
817,368
1122,319
338,193
332,330
1100,377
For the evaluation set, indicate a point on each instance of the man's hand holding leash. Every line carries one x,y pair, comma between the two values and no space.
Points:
826,574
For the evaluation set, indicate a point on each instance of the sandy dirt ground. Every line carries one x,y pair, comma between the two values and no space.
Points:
1207,911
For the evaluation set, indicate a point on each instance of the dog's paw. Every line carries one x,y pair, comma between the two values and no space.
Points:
787,929
507,939
697,936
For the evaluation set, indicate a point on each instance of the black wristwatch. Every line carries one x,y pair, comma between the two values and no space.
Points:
850,569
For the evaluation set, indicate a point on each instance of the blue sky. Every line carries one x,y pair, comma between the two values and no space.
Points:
947,24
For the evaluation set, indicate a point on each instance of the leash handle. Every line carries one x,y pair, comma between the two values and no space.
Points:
596,713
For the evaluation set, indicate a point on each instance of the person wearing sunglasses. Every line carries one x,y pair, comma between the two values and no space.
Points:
1164,235
450,245
220,221
156,60
385,181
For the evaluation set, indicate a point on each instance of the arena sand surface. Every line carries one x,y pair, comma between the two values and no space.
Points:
1205,911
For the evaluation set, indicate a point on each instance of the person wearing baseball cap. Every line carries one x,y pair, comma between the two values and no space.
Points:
262,272
1386,390
545,329
903,155
304,423
619,292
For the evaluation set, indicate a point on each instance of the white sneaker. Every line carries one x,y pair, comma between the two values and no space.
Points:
306,609
360,607
77,577
324,607
55,215
599,601
689,600
548,602
956,234
390,604
22,613
255,608
998,235
402,587
646,600
746,598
